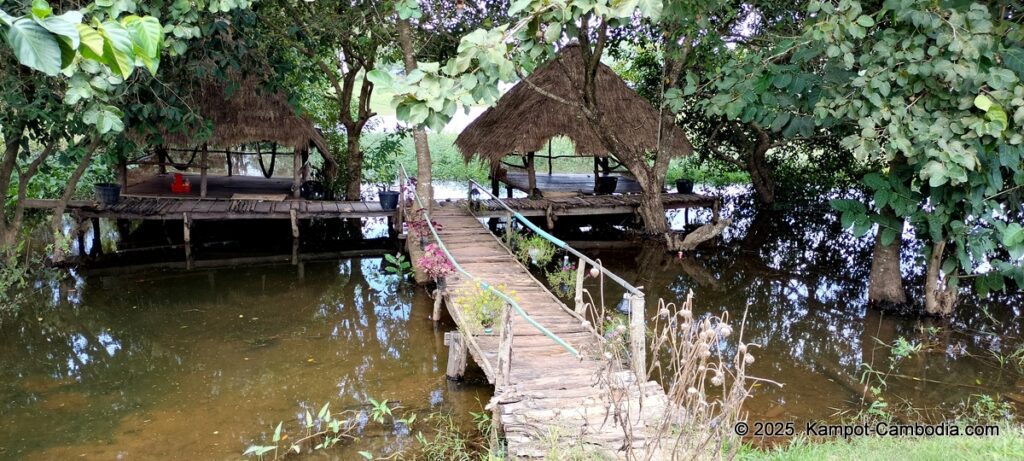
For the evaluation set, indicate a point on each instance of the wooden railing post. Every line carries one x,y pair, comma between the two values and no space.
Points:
581,273
504,349
508,229
637,336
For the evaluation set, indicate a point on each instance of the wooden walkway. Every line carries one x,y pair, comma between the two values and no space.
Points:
168,208
552,398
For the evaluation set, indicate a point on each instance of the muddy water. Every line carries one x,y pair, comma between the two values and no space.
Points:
802,281
198,364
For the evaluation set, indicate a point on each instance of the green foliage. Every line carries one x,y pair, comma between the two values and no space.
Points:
397,264
482,305
449,442
380,159
562,282
535,250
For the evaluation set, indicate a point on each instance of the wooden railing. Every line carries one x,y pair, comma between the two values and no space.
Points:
634,296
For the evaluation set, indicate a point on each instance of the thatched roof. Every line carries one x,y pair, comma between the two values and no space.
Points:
250,114
523,120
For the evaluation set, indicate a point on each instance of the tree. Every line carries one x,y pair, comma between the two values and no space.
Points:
932,91
432,94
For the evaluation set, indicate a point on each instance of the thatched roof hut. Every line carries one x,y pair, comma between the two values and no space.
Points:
523,120
249,115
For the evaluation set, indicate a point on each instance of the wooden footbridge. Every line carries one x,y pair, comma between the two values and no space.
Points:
558,383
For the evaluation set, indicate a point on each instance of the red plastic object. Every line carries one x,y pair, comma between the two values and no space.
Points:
180,186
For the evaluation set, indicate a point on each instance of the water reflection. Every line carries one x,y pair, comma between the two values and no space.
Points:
803,280
174,364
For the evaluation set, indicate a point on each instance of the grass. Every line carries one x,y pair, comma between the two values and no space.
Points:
1008,445
448,164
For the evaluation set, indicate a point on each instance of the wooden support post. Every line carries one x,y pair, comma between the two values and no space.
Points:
227,155
504,370
438,299
495,186
637,336
302,271
97,242
531,171
295,223
508,229
456,355
508,191
295,252
581,273
400,214
202,172
296,173
549,158
187,237
597,171
161,157
305,164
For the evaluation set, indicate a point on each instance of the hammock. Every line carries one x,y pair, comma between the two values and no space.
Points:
273,160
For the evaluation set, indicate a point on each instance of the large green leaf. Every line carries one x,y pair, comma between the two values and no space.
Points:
35,46
64,25
147,35
41,9
1013,59
92,42
6,19
117,48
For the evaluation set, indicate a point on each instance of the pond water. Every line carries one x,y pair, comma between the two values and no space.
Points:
802,282
198,364
161,363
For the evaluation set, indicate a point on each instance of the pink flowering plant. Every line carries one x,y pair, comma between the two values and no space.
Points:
435,263
418,224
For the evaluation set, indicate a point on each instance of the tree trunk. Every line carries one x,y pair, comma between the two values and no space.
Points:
8,232
424,177
652,210
69,191
354,160
939,296
885,285
760,173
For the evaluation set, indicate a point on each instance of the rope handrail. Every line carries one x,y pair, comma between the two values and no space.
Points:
508,299
560,243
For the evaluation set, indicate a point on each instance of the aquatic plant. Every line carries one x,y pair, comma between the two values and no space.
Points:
398,265
435,263
450,443
326,430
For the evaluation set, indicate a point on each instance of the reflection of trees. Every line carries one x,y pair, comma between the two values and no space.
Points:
804,281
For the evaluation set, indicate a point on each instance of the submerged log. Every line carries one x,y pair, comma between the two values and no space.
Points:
698,236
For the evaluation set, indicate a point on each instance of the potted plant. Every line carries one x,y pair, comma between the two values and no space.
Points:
435,264
606,184
107,193
684,185
483,305
381,162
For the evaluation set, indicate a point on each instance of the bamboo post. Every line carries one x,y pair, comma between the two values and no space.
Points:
438,299
456,355
296,173
202,172
581,273
504,371
637,335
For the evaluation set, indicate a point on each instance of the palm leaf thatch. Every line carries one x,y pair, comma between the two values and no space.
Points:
248,115
524,119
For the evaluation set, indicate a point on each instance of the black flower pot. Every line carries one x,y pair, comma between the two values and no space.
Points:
606,184
312,190
684,186
388,199
108,194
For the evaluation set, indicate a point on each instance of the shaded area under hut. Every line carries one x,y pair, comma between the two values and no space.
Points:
549,104
247,124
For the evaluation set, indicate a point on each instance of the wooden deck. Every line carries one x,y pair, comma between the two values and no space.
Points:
552,397
588,205
217,186
168,208
567,182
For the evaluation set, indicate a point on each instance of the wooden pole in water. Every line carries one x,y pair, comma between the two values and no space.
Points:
187,237
637,336
456,355
504,370
438,299
295,223
202,172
